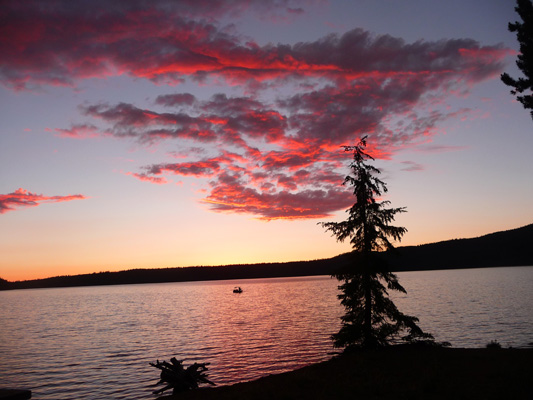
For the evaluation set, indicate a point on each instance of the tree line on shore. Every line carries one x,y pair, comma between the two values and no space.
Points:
506,248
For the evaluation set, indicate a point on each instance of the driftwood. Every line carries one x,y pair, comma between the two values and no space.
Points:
180,379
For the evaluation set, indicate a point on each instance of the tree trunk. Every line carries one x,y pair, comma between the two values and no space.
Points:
367,329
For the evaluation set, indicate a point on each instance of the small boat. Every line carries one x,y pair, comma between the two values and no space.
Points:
237,289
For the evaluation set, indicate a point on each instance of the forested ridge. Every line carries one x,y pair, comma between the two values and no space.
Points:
500,249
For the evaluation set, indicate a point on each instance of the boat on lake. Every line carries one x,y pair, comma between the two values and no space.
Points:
237,289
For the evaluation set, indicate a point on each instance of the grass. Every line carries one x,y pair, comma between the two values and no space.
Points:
395,373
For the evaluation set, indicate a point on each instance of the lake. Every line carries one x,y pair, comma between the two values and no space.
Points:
97,342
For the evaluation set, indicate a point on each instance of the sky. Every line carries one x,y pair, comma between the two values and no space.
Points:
151,134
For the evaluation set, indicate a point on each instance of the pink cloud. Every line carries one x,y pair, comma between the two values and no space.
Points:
228,194
59,42
147,178
273,159
23,198
79,131
305,131
220,118
62,41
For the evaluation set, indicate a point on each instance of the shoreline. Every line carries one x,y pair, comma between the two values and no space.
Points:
499,249
395,372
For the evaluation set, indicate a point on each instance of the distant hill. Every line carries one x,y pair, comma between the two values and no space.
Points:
500,249
158,275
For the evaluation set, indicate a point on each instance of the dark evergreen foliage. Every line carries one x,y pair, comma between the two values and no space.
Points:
524,34
371,318
3,283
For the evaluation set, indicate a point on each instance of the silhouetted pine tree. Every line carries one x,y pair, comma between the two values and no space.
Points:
371,318
4,284
524,34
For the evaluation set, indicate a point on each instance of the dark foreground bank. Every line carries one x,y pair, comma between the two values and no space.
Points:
395,373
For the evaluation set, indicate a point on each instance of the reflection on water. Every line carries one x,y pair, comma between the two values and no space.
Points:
96,342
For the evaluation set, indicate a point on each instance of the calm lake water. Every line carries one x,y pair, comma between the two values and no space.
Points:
96,342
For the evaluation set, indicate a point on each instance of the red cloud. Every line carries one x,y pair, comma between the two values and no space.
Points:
23,198
277,159
227,119
58,42
305,131
79,131
61,41
291,159
243,184
228,194
147,126
146,178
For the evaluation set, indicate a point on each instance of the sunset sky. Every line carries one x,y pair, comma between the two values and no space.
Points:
143,134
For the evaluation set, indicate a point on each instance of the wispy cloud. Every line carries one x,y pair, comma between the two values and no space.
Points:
148,178
23,198
411,166
79,131
436,148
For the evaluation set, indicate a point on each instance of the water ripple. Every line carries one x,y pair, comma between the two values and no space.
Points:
97,342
